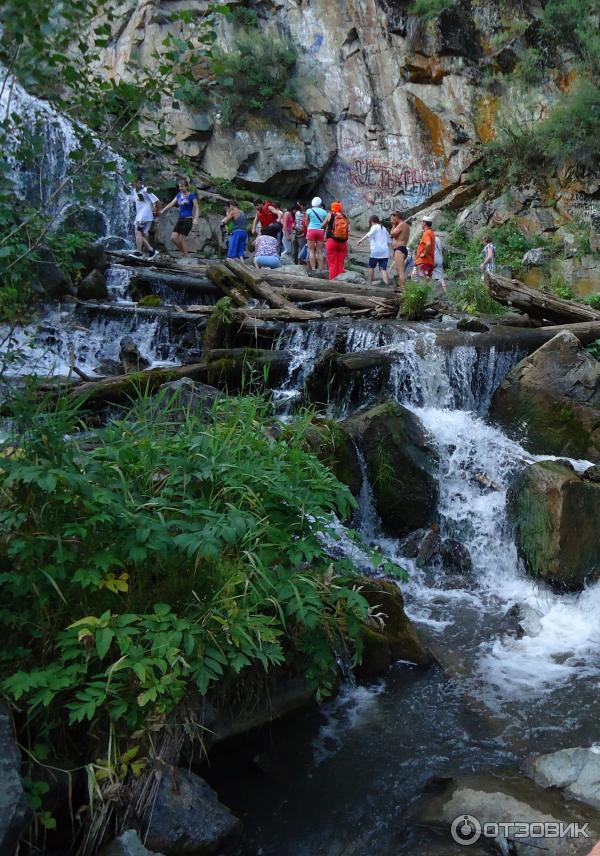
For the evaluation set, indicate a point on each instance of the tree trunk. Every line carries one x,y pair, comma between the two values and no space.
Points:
254,283
538,304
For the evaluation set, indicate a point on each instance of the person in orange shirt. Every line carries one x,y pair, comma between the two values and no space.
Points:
425,258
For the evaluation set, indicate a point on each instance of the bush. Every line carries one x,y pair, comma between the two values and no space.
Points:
430,9
254,76
156,558
471,295
415,299
592,300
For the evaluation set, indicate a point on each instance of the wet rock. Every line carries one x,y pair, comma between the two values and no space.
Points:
93,287
84,218
335,448
94,258
127,844
428,548
555,516
592,474
131,359
49,276
401,463
189,396
455,557
354,375
505,797
14,810
409,546
114,243
398,639
554,396
575,771
187,817
473,325
109,368
521,620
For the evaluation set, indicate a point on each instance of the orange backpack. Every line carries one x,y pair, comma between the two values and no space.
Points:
340,228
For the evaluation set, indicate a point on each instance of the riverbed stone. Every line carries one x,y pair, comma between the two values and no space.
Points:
401,463
187,817
575,771
553,397
555,515
189,396
131,359
522,620
455,557
505,796
127,844
14,810
409,546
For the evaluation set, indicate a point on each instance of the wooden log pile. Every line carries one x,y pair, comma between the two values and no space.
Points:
285,297
538,304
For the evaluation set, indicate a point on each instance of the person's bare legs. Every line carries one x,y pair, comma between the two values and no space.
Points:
370,275
400,260
320,252
179,242
140,240
384,276
312,254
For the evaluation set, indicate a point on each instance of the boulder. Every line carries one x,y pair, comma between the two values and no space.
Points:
575,771
536,257
409,546
51,280
189,396
351,276
94,258
355,376
553,395
503,796
401,464
455,557
335,448
109,368
187,817
555,517
14,809
428,548
397,639
127,844
472,325
592,474
93,286
131,359
521,620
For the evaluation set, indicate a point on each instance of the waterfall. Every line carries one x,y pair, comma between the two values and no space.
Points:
57,139
118,278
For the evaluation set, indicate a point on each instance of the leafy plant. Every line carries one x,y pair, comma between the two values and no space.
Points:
592,300
430,9
471,295
415,299
594,349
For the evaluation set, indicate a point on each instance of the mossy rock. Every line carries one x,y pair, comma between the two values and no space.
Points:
397,639
401,463
150,300
553,397
337,451
555,517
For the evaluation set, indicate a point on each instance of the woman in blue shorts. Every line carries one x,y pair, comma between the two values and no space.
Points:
238,239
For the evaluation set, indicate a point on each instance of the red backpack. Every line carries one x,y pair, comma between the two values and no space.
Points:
265,216
340,228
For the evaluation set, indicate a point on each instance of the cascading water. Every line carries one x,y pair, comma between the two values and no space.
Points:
49,180
118,278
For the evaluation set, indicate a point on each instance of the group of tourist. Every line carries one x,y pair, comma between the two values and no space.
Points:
312,236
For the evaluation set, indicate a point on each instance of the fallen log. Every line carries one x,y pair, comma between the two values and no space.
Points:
254,283
538,304
351,300
228,284
282,280
156,278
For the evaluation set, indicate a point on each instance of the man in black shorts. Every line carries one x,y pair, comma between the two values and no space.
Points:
399,234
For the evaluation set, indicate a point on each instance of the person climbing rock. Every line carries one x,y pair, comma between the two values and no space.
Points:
144,215
379,255
299,233
489,257
189,215
425,256
400,233
236,249
315,234
337,231
266,250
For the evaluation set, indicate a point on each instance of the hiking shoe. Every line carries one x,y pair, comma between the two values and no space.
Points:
153,254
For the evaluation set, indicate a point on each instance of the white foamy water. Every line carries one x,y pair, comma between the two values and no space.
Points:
118,278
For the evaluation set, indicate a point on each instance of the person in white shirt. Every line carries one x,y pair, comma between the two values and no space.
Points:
144,215
438,262
379,241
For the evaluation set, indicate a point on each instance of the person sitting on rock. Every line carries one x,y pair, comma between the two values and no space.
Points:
266,248
236,248
189,215
425,255
379,239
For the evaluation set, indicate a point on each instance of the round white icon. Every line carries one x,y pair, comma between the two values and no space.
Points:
465,829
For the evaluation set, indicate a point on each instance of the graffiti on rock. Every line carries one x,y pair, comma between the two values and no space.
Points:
387,185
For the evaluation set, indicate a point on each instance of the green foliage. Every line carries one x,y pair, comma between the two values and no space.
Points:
157,558
255,75
150,300
594,348
559,287
572,130
465,252
66,247
592,300
430,9
415,299
471,295
244,16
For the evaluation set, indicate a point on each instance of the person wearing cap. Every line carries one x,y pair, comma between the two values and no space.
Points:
315,234
337,230
425,257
